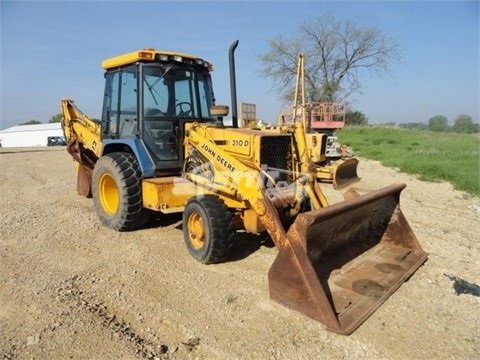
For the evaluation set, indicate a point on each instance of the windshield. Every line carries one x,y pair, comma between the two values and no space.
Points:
176,91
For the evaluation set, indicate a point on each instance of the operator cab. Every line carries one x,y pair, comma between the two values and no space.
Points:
150,95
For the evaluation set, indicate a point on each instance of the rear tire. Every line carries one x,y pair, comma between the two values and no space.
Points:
117,192
208,229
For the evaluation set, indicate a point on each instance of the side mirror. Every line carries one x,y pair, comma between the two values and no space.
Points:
219,110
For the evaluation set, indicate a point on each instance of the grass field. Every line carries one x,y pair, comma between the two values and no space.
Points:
434,156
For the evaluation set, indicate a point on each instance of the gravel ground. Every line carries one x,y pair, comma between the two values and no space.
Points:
71,288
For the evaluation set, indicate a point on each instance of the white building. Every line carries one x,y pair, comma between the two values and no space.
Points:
29,135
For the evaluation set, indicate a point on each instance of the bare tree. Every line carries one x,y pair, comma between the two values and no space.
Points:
335,53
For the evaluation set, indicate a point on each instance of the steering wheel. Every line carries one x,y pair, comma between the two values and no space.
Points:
183,112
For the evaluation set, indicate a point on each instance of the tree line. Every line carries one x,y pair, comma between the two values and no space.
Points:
463,124
54,119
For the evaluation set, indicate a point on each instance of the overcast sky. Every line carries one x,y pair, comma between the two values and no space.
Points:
53,49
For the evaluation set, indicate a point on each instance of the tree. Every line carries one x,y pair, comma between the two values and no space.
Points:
464,124
56,118
414,126
335,53
355,118
438,123
31,122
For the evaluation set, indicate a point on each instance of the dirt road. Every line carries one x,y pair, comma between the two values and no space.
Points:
71,288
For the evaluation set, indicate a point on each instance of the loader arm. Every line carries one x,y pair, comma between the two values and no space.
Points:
238,179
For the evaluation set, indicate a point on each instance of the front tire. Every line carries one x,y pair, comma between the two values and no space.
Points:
117,192
207,229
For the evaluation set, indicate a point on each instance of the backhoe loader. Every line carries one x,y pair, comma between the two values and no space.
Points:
161,145
320,121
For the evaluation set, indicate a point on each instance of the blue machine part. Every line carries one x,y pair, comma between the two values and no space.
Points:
145,161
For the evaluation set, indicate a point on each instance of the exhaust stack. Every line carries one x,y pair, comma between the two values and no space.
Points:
233,84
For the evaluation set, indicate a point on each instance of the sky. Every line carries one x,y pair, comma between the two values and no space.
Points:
53,49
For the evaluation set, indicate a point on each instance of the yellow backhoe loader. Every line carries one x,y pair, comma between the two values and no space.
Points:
320,121
161,145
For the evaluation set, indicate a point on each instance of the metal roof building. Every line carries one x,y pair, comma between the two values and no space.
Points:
29,135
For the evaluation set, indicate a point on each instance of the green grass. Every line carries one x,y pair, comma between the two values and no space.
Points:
434,156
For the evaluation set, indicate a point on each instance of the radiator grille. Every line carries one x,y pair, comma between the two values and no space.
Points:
276,155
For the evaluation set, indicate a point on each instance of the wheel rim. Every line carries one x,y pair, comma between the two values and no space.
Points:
108,194
196,230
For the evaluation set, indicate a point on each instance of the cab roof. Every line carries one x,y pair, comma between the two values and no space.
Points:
150,54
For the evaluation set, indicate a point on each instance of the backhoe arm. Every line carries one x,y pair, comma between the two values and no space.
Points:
78,127
84,143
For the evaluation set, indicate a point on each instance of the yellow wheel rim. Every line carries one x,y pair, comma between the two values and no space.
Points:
196,230
108,194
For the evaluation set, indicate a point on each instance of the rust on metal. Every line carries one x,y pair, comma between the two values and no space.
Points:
84,167
341,262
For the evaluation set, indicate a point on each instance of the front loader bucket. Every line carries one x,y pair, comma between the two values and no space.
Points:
345,173
341,262
341,173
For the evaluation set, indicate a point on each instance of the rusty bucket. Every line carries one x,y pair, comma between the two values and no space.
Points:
341,262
